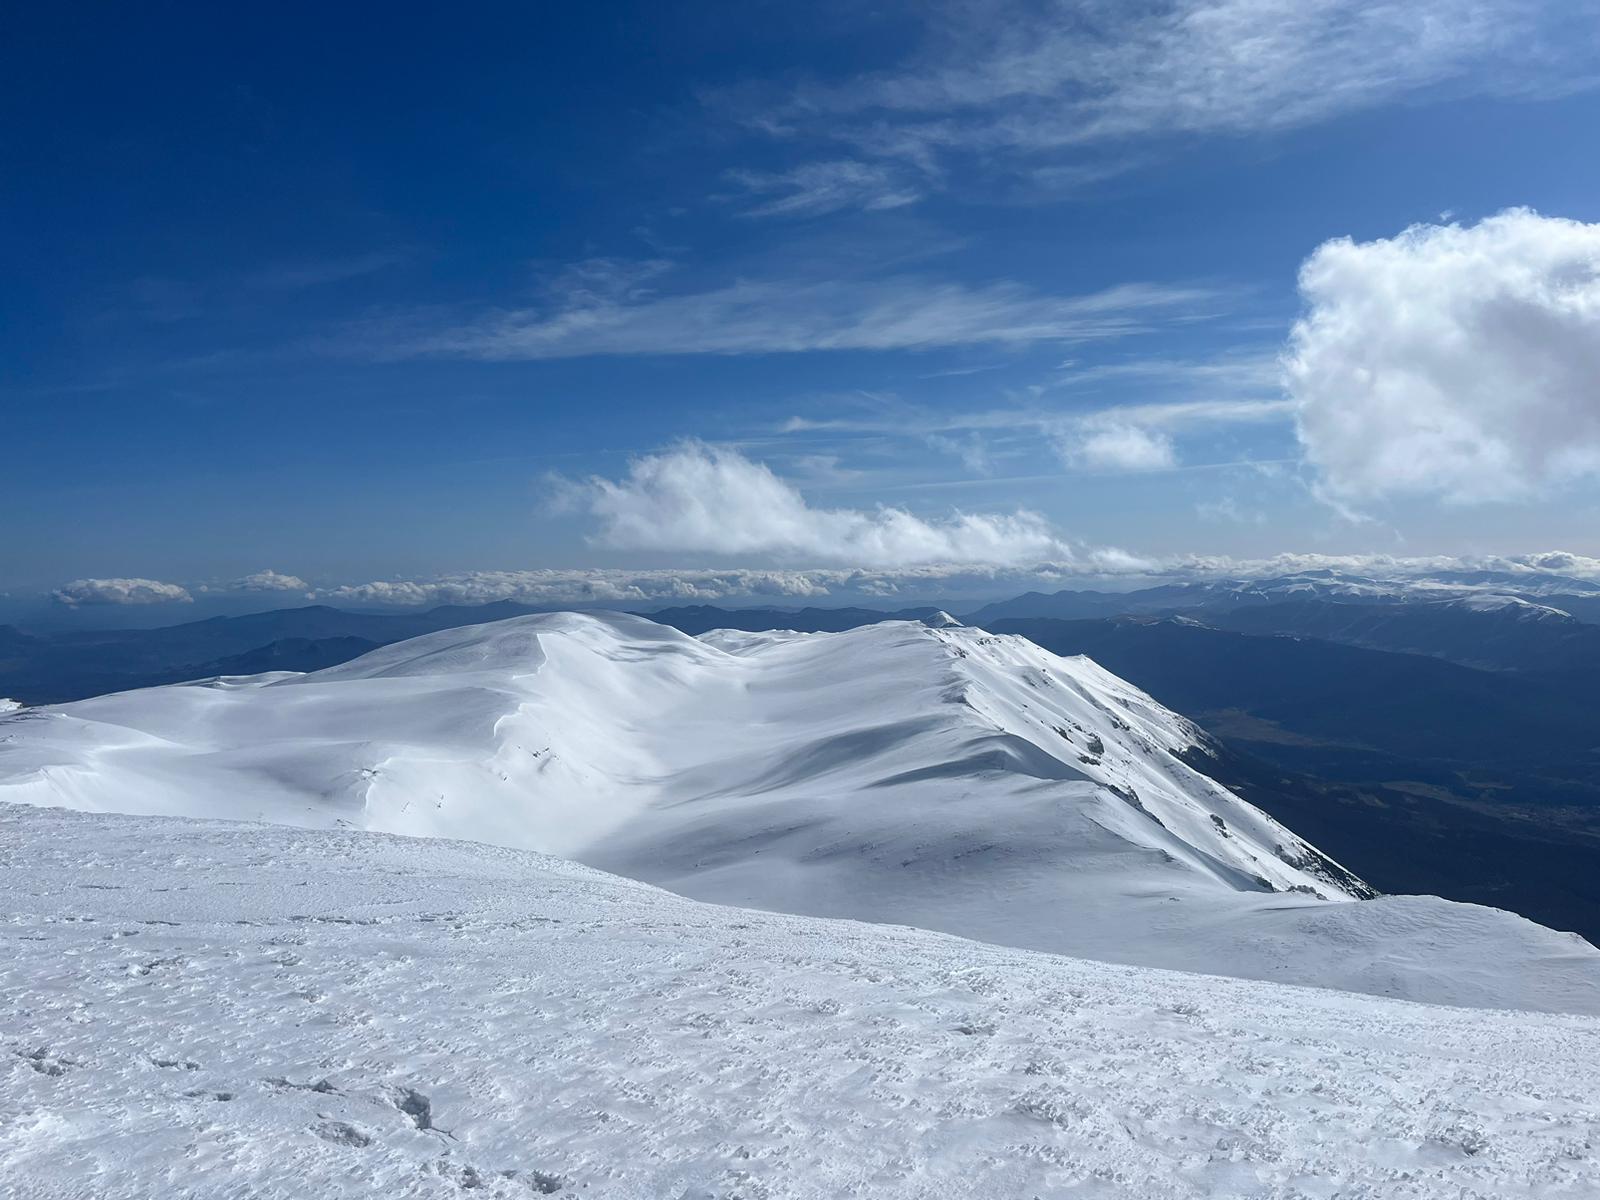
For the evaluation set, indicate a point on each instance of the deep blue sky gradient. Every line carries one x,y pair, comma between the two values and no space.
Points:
209,210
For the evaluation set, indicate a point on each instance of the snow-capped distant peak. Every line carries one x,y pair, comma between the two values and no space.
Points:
940,620
1496,602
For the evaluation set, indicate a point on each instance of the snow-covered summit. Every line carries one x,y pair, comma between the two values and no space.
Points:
1513,606
940,777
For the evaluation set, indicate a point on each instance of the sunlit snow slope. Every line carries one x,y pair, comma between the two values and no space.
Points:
939,777
197,1010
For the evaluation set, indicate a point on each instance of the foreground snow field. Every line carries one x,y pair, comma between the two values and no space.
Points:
205,1009
937,777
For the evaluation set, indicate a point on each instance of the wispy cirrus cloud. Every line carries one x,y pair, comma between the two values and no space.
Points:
795,315
1176,414
308,273
1111,437
1074,88
1235,376
816,188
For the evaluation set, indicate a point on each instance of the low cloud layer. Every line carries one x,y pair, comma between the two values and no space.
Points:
616,587
153,591
120,591
607,587
1450,361
601,586
701,499
270,581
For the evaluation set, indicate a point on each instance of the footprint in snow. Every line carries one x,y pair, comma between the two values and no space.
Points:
342,1133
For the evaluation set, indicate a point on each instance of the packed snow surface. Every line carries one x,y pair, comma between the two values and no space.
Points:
938,777
212,1009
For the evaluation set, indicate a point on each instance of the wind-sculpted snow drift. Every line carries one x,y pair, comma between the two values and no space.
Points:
939,777
198,1010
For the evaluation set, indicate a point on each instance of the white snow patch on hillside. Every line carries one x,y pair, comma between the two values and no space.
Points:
939,777
1524,609
204,1009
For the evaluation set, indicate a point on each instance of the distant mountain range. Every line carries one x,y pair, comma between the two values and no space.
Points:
1498,620
51,668
1578,598
55,667
1498,633
1442,738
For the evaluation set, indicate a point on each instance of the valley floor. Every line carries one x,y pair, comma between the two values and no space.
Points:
203,1009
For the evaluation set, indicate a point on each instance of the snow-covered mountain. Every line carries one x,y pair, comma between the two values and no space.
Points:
1488,630
202,1009
1227,595
939,777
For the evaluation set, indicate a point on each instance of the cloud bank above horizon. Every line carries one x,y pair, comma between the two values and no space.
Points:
622,587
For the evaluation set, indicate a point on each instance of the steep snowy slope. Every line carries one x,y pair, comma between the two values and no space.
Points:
204,1009
939,777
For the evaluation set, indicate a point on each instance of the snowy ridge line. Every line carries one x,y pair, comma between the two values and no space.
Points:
940,777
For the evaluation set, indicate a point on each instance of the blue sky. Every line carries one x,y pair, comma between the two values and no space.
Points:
389,293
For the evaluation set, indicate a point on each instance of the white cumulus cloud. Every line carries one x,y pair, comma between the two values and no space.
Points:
1113,445
703,499
120,591
1454,361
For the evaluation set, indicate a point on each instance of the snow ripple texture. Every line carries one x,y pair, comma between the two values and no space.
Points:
210,1009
